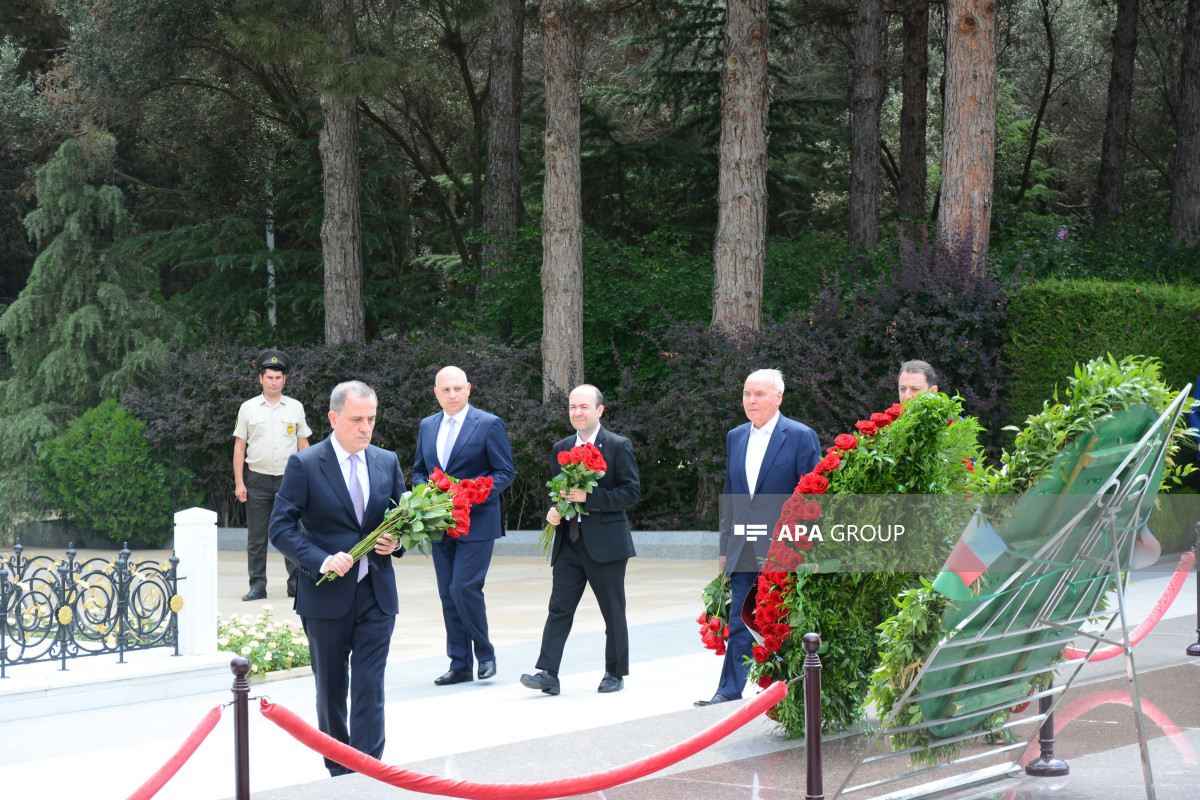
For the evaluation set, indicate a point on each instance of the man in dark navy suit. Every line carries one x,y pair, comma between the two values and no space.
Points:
765,459
465,443
339,489
592,550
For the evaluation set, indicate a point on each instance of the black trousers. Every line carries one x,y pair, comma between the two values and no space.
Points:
260,502
573,570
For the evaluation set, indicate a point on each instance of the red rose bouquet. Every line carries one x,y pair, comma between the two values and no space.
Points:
582,468
714,620
440,507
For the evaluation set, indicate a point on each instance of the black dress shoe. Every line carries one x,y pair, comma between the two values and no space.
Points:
611,683
542,681
255,593
716,698
453,676
487,669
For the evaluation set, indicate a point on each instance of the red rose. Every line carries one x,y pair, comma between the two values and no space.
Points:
772,643
564,458
950,422
803,543
725,632
793,507
828,464
968,464
720,648
895,411
812,483
782,630
441,481
866,428
881,420
846,441
764,681
810,511
760,654
702,619
714,624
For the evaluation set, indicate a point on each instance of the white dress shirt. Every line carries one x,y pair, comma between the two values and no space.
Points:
364,481
443,431
756,450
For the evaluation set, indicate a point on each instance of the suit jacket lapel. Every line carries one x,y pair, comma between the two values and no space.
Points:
333,473
778,436
464,435
737,459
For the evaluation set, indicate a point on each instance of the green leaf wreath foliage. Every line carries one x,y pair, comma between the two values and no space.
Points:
1097,389
923,447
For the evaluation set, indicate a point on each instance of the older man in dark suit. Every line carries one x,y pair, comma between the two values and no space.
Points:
592,550
339,489
466,443
765,459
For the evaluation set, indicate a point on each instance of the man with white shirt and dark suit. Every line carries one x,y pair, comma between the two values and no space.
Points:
765,459
592,550
465,442
339,489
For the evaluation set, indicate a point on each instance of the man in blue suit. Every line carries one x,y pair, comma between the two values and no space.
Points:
339,489
765,459
466,443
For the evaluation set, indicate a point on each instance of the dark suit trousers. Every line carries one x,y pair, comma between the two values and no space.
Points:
461,568
260,502
360,641
573,570
741,641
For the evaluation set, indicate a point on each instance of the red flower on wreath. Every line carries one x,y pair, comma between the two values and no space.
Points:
895,411
828,464
881,420
810,511
846,441
866,427
760,653
812,483
764,681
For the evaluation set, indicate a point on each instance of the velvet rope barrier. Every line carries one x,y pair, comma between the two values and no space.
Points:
1156,614
167,771
563,787
1096,699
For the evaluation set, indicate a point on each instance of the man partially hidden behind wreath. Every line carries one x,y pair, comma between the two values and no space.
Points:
270,428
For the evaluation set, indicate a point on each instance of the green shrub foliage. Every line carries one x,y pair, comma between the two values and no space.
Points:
1056,324
101,474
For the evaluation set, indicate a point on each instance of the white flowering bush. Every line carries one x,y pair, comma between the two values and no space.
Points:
267,644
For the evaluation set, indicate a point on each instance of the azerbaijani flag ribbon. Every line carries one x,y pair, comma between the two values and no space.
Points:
977,549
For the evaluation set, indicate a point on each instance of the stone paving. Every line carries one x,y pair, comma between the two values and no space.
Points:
497,731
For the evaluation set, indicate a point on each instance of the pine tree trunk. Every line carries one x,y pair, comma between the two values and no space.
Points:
914,111
1047,89
562,215
502,201
1185,183
969,118
341,237
864,125
739,251
1110,196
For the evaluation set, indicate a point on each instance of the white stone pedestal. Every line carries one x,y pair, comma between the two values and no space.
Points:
196,546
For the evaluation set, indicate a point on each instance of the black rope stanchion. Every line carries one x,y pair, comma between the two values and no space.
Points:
1047,765
241,727
812,717
1194,649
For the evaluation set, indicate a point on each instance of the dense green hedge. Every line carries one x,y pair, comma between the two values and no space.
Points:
1055,324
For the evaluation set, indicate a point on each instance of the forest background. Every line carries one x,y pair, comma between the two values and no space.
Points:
692,190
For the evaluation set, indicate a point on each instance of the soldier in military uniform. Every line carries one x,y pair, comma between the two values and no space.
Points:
270,428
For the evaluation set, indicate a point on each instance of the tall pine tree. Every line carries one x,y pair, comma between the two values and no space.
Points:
84,327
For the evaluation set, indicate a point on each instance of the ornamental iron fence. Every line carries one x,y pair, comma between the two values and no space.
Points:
53,609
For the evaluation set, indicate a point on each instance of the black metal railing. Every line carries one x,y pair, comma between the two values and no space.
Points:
54,609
